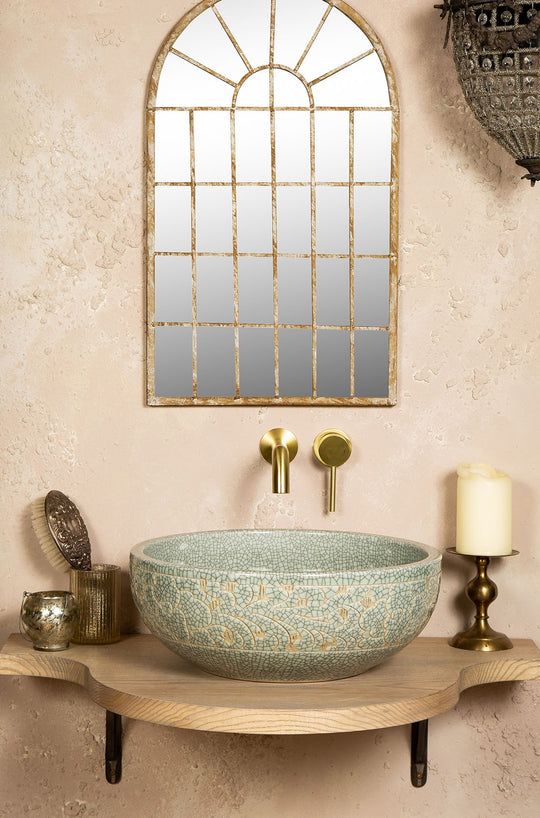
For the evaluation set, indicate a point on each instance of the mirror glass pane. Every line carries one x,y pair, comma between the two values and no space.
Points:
254,219
215,361
172,151
333,363
339,41
213,219
289,91
173,288
332,220
295,22
212,130
206,41
362,84
215,302
182,84
372,220
332,146
372,146
294,287
172,219
250,23
256,362
173,362
293,220
255,290
293,146
295,375
372,292
254,91
253,163
371,363
333,292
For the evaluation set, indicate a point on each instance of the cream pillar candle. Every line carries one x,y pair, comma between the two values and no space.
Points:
484,511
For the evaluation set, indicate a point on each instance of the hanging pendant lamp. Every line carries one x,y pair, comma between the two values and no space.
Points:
497,56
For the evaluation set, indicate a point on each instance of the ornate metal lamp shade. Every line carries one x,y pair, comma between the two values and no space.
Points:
497,56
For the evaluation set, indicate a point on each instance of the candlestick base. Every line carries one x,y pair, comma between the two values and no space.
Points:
482,591
480,636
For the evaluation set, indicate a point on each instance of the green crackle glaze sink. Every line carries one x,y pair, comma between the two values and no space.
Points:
285,605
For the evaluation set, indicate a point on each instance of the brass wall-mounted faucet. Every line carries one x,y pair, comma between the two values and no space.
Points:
279,447
332,448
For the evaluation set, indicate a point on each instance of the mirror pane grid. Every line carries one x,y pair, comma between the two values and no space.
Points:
273,232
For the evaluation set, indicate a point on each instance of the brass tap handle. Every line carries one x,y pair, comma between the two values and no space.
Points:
279,447
332,448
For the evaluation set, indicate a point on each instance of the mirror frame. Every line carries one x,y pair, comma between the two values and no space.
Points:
154,400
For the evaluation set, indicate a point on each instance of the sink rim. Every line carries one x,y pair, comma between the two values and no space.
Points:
137,551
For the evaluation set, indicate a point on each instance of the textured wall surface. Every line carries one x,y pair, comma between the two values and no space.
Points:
73,82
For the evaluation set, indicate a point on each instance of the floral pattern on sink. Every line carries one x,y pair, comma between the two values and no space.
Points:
313,606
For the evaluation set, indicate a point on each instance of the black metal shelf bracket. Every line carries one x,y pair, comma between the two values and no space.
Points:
113,747
113,750
419,753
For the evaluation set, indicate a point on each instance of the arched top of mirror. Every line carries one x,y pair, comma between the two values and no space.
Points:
272,222
220,54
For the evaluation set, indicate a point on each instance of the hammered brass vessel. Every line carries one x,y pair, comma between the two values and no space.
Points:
48,619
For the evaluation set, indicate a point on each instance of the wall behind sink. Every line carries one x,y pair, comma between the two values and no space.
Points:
73,418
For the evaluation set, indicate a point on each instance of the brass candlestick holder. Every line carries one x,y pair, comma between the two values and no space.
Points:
482,591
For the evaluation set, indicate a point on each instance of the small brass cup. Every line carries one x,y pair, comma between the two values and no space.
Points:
98,595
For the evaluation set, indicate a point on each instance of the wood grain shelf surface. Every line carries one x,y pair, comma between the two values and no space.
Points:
139,678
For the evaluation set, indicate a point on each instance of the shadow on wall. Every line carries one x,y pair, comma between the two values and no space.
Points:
469,147
36,558
454,567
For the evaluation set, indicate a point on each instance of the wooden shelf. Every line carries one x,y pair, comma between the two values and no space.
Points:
138,677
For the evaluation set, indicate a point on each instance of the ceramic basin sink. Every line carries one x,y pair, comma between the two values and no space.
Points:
285,605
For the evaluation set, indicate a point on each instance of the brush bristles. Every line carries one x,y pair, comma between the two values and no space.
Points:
46,541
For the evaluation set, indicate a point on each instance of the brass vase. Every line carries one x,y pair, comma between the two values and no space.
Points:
98,595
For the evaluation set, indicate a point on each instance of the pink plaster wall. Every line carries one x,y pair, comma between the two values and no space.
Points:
73,82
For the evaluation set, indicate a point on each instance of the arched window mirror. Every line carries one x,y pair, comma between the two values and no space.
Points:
272,208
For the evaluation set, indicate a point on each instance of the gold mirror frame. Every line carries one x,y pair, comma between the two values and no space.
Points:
238,400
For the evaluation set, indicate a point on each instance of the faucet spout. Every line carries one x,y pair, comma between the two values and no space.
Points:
281,480
279,447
